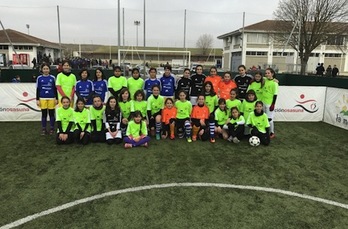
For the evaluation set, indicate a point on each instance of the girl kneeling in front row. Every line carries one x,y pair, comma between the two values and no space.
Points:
200,120
136,134
235,127
82,132
65,122
258,121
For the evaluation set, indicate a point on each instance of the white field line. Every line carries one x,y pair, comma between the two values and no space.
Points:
158,186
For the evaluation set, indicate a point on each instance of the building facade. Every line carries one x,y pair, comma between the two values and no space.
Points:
259,49
27,48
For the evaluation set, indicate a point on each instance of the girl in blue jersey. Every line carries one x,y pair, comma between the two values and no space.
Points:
150,82
84,88
46,97
100,84
167,83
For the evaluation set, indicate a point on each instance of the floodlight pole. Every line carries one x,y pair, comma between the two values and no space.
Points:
119,28
184,59
59,37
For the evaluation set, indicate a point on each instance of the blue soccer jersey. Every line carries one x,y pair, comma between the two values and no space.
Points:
46,87
167,85
84,89
149,83
100,88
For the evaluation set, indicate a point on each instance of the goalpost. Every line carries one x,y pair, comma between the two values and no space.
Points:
138,51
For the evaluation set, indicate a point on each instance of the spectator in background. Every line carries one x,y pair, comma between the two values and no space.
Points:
34,63
335,71
320,69
16,79
329,71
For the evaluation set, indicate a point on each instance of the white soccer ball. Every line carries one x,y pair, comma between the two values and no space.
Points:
254,141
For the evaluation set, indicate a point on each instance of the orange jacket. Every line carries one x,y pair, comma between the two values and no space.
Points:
215,80
168,114
200,112
225,88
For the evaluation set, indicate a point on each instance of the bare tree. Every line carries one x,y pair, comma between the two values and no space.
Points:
205,42
311,23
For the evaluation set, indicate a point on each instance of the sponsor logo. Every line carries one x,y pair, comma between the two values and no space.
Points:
23,106
342,110
309,105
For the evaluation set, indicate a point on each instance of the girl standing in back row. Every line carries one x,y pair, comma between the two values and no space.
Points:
269,97
46,97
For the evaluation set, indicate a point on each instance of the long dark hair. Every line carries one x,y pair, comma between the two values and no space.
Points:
95,73
108,108
77,101
212,91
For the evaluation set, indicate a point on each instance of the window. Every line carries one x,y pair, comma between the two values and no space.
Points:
252,53
314,54
333,54
4,47
284,54
257,38
23,47
335,40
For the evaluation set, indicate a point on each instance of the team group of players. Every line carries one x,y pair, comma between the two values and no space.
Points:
195,106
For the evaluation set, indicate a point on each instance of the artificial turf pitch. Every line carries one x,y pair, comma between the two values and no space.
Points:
307,158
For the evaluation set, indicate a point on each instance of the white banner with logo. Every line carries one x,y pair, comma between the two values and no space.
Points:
18,102
300,104
336,107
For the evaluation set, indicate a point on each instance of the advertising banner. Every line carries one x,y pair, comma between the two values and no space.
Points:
336,107
18,102
300,104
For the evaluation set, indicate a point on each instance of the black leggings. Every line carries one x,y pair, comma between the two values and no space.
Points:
98,136
264,137
84,140
236,132
69,140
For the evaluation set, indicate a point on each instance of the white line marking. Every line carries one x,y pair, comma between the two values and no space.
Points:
157,186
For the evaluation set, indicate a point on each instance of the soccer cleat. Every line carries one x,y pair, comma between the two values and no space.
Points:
272,135
172,136
158,137
194,138
43,132
212,140
230,138
51,131
235,140
189,139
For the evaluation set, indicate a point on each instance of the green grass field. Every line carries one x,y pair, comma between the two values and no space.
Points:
306,158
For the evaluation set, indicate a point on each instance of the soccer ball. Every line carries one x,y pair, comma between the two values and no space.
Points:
254,141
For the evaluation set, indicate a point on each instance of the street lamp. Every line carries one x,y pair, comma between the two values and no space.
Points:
137,23
28,26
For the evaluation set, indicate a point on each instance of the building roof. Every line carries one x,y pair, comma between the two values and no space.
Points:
22,38
272,26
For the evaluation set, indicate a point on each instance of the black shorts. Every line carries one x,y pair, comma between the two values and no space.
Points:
180,123
152,121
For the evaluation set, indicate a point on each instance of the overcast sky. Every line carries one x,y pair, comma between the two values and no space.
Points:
92,21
